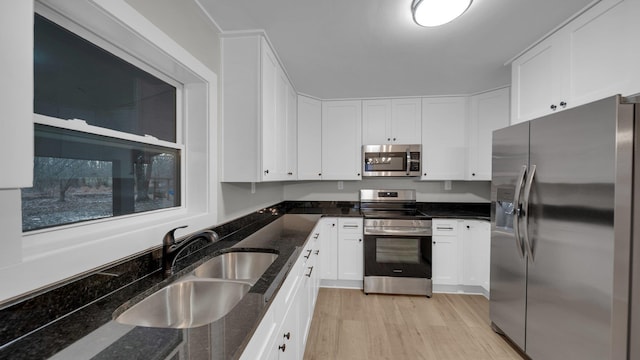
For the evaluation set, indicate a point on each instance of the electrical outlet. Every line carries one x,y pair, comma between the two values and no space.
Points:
447,184
340,185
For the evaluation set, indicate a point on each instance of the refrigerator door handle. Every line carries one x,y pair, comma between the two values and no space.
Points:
525,206
516,205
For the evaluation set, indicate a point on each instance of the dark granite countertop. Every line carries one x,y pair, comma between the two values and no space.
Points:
104,338
88,332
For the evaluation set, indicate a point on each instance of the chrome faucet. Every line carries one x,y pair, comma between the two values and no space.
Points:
171,248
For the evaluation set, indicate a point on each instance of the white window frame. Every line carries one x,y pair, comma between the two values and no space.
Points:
52,255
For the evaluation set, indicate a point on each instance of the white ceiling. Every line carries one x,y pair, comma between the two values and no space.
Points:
372,48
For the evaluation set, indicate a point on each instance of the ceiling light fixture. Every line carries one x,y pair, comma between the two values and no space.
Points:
437,12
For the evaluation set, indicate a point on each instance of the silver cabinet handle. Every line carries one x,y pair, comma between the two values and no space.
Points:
516,215
317,252
310,271
308,254
444,227
316,235
349,226
525,207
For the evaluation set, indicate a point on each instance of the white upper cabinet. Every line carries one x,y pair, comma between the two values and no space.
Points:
341,140
444,138
16,126
538,80
488,112
391,121
309,138
588,59
291,131
258,113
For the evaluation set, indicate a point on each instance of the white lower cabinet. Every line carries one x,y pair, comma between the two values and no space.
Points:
328,240
350,249
445,252
461,255
283,331
476,253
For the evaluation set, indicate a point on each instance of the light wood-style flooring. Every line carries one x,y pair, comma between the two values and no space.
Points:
347,324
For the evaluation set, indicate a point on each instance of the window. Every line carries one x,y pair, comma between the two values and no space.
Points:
105,143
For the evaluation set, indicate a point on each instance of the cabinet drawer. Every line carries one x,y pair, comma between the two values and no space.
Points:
445,227
350,226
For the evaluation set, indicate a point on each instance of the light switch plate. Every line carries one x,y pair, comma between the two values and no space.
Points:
340,185
447,184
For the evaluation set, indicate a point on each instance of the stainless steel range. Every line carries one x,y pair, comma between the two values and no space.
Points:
397,243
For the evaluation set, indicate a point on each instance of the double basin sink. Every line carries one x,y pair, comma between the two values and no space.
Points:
202,297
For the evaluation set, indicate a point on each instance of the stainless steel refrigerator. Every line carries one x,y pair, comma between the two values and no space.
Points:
561,235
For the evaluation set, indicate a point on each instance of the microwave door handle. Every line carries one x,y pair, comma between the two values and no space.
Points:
408,162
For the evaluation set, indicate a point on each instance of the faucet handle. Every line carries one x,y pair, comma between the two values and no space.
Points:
169,238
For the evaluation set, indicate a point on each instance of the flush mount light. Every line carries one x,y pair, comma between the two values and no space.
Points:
437,12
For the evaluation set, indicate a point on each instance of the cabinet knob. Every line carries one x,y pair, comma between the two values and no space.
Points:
425,174
473,174
553,107
394,139
266,171
358,174
289,173
359,240
389,139
319,174
282,347
287,335
333,224
434,242
468,227
563,104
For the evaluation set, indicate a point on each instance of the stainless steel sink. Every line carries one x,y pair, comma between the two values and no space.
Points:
186,304
245,266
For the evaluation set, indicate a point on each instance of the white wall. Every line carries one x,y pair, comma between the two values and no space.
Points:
427,191
187,25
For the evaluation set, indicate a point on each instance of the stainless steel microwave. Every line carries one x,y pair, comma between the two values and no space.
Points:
391,160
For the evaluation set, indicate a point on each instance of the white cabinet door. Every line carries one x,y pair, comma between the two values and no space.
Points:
601,59
376,122
290,335
444,138
291,130
274,115
328,240
309,138
16,112
445,252
341,140
350,249
539,79
475,248
488,112
406,121
259,116
391,121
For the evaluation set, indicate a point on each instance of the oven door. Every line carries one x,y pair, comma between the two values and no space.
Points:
397,256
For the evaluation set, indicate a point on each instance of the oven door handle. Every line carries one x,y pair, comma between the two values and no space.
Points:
399,231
